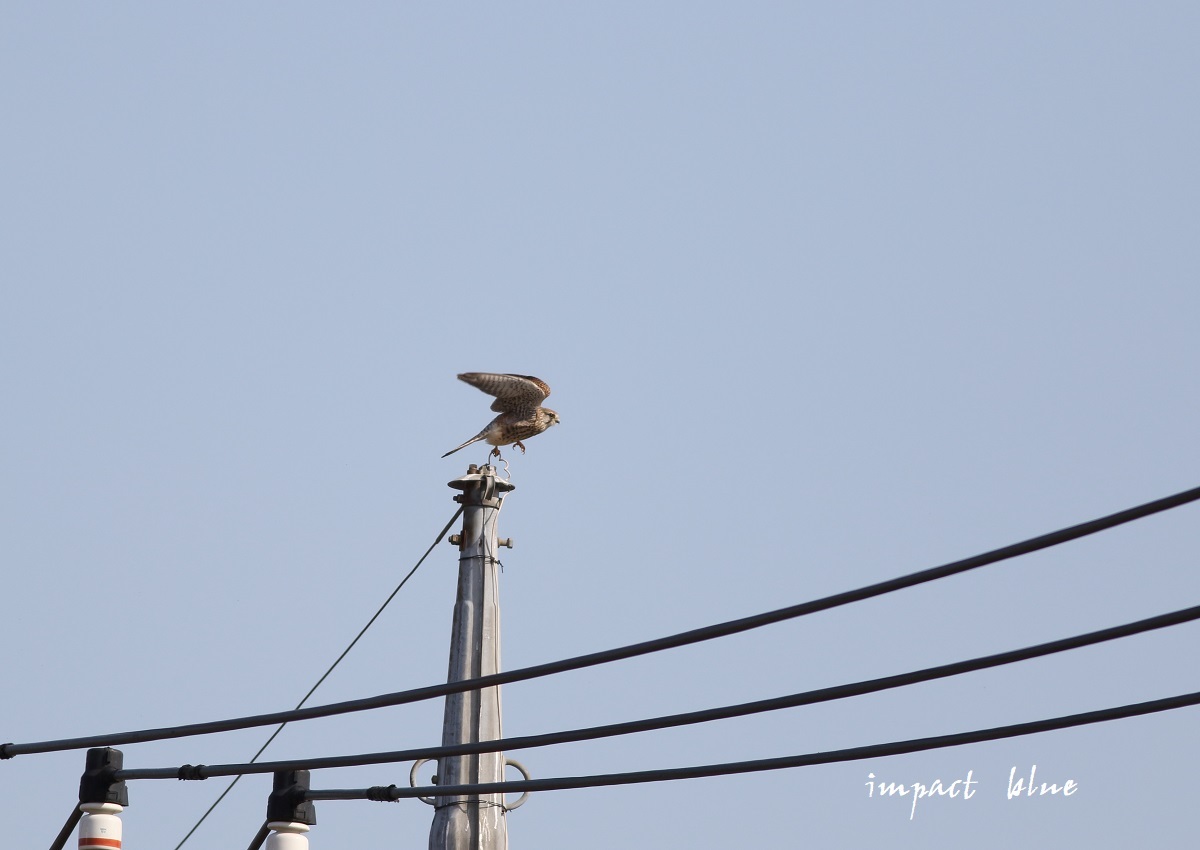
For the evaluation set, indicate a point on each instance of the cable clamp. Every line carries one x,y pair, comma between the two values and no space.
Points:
191,771
381,793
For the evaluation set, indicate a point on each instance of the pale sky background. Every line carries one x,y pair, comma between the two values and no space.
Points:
826,294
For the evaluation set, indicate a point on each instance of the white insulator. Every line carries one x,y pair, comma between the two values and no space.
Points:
100,828
287,836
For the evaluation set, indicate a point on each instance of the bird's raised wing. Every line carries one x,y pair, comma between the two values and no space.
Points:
513,392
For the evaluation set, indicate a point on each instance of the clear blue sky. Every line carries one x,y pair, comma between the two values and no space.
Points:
826,294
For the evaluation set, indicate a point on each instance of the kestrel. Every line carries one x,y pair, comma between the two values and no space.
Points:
517,401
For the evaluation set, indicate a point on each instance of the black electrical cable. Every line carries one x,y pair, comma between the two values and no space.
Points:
670,721
393,792
730,627
259,837
324,676
64,834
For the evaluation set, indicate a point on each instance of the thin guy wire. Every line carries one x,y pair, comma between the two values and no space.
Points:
313,689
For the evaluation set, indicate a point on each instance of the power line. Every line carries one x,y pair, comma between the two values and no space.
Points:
64,834
630,651
686,719
392,793
259,837
324,676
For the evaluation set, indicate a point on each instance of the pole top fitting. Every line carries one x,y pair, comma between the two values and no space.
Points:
480,486
289,801
98,784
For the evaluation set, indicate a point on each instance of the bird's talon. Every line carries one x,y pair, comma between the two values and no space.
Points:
519,445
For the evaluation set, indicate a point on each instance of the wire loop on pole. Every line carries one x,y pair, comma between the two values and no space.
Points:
412,781
525,773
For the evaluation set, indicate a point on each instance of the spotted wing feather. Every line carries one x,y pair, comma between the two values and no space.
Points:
514,393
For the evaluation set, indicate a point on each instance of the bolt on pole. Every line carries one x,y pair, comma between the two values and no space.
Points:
475,822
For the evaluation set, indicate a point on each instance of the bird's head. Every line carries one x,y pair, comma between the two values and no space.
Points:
551,416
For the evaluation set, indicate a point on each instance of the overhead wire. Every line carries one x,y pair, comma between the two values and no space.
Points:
392,792
64,834
620,653
259,837
829,694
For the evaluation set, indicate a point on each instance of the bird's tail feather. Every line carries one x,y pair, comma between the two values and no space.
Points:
474,439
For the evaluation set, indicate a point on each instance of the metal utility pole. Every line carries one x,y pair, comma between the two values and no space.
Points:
474,822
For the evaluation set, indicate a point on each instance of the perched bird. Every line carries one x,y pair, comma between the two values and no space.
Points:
517,401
